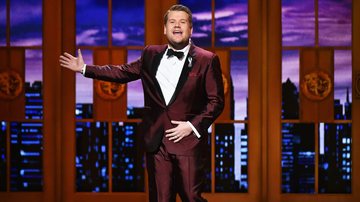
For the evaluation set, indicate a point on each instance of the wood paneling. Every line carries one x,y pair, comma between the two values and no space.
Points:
314,60
109,109
52,101
356,104
12,60
224,56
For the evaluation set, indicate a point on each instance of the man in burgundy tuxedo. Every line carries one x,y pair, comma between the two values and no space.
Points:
183,92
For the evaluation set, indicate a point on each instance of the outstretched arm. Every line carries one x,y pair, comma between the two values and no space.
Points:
73,63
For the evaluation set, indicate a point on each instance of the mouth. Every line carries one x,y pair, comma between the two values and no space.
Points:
177,33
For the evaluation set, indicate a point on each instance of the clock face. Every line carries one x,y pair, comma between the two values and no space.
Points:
11,85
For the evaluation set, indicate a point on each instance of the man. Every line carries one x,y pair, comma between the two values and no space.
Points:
183,93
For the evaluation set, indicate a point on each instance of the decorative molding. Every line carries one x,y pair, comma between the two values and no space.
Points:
316,85
357,85
109,90
11,84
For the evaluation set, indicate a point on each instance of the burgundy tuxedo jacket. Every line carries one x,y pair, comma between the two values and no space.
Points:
198,97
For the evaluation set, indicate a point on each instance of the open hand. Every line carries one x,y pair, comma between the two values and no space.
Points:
73,63
182,130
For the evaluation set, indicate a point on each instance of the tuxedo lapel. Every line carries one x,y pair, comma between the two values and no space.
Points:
154,67
189,63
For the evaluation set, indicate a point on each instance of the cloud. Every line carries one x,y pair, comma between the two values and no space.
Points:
202,16
223,14
229,39
205,28
199,35
87,37
27,42
237,28
119,36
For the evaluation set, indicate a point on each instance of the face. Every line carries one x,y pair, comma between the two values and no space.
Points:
178,29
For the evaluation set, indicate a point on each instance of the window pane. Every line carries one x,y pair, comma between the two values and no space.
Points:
335,22
335,158
26,172
128,158
33,84
239,84
135,95
290,84
298,23
91,157
231,23
342,84
3,156
128,23
231,154
298,158
2,22
84,91
92,23
201,11
26,22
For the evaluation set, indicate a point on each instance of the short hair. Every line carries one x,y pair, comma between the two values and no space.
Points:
178,7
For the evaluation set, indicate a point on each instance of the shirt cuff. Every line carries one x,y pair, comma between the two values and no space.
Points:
83,70
194,129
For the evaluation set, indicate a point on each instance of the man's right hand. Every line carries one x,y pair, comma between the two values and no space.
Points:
73,63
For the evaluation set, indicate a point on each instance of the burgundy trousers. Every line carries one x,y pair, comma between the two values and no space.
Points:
170,174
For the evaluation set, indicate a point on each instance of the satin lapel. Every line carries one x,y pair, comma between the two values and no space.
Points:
154,67
189,63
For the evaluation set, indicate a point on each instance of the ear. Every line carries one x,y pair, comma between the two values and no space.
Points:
164,30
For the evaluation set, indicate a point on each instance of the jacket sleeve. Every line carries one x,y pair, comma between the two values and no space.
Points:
116,73
214,91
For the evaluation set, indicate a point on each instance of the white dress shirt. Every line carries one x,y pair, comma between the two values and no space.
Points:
168,75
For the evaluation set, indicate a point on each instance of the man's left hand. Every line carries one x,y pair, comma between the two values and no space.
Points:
179,132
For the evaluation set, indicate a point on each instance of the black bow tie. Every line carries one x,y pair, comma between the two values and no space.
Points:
178,54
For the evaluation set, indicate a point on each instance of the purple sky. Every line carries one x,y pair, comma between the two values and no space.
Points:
26,15
335,22
342,74
239,74
33,65
92,23
298,23
230,22
134,89
2,23
201,21
84,86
